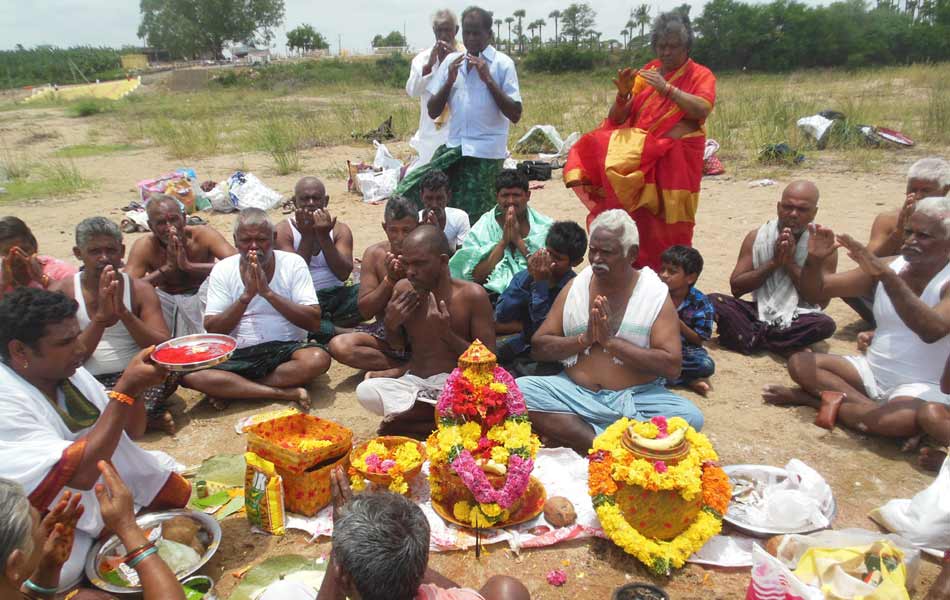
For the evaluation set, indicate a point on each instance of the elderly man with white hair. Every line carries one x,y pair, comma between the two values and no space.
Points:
928,177
265,299
432,133
616,331
883,391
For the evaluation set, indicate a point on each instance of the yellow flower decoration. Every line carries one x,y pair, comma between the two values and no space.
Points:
646,429
499,388
500,455
308,444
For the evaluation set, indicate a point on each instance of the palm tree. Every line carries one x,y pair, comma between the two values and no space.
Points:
624,33
642,17
498,26
539,25
555,14
631,27
509,20
520,14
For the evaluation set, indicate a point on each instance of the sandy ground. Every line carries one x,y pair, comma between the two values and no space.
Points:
864,473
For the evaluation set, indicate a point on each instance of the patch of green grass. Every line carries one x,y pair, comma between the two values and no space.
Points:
87,107
281,137
84,150
13,166
186,139
53,179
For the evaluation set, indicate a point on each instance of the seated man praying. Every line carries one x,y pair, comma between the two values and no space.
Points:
326,246
20,263
882,392
927,177
498,246
368,348
59,423
177,258
119,315
778,318
616,331
524,305
436,191
264,298
439,317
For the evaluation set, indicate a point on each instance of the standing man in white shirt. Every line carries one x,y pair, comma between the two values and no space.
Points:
432,132
264,298
436,191
480,87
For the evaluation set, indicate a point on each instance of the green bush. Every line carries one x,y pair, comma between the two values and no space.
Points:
48,64
388,71
86,107
562,59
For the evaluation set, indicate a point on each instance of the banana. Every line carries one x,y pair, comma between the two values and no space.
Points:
671,441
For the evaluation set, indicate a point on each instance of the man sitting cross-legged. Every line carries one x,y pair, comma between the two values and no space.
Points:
119,315
177,258
927,177
439,317
769,267
326,245
617,332
265,299
367,348
881,393
498,246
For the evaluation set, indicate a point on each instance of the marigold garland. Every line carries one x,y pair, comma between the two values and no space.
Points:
697,473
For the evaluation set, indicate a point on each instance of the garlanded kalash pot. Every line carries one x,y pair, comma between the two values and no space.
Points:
482,452
658,490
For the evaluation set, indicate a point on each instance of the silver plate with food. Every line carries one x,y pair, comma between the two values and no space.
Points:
745,486
194,352
185,539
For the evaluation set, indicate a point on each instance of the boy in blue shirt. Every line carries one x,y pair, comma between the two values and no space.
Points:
681,267
525,303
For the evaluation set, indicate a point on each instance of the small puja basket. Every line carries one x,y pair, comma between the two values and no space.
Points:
658,490
391,442
304,450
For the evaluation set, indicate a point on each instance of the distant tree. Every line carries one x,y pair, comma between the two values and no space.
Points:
186,28
305,38
624,33
578,20
539,26
395,39
509,21
520,14
555,14
498,23
641,17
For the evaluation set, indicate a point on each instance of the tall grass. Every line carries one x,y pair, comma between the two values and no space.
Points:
52,179
280,136
186,138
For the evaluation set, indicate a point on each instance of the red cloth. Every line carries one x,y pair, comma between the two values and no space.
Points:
632,166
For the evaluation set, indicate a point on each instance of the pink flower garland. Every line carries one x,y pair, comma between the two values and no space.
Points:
519,472
514,400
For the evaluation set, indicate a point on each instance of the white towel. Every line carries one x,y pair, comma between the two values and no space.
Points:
778,301
642,309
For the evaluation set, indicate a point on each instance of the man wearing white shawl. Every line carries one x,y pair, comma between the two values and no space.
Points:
617,332
769,267
58,421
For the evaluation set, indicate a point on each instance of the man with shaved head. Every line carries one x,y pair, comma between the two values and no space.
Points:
176,258
769,267
326,245
438,317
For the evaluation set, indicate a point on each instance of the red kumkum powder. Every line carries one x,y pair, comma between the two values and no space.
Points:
191,354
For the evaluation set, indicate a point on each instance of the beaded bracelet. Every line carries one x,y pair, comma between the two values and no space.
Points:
138,559
39,589
122,398
133,553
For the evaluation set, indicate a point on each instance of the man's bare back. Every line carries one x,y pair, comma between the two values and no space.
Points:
373,271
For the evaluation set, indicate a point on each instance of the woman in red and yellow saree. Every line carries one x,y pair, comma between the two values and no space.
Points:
647,156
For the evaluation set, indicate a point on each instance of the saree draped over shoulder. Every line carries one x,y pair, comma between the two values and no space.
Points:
633,166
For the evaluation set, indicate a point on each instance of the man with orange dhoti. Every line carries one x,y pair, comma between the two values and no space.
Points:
647,156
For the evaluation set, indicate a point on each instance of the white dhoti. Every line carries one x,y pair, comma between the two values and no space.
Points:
388,397
41,453
184,313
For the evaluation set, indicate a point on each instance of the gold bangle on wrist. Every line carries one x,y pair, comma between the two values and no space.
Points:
122,398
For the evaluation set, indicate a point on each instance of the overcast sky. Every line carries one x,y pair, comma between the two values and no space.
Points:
115,22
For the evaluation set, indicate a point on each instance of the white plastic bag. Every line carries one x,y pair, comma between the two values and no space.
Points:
540,138
220,198
247,191
384,160
924,519
815,126
378,186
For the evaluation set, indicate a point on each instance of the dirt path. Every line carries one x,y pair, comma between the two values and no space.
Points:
863,472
